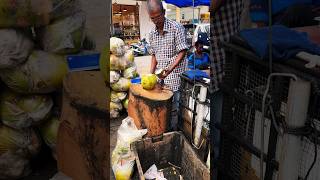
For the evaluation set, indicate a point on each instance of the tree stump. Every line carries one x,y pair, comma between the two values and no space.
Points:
150,109
83,136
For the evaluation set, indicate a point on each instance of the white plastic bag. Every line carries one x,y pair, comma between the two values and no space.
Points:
123,158
152,173
15,48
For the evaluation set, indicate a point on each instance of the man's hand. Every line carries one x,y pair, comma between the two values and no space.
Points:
179,58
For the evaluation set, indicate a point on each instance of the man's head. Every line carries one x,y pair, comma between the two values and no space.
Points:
156,12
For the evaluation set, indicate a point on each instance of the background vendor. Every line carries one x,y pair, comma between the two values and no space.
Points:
199,59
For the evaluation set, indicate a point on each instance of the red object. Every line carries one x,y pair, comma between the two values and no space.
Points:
313,32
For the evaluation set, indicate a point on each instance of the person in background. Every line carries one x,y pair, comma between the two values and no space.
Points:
167,47
225,22
199,59
290,13
245,22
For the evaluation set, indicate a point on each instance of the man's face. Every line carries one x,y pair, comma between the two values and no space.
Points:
157,17
199,47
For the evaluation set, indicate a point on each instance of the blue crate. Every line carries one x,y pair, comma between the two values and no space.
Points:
83,62
136,80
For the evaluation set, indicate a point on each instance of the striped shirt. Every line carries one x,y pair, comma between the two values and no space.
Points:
166,49
224,24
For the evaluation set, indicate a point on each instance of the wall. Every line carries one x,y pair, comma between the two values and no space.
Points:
145,22
97,21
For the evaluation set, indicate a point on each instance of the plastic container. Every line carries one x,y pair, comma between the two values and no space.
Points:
136,80
83,62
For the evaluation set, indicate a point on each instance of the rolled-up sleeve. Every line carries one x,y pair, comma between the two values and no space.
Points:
150,48
181,41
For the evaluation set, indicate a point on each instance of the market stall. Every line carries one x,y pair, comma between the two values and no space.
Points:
126,25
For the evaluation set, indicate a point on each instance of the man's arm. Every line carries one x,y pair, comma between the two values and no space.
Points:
153,64
215,5
179,58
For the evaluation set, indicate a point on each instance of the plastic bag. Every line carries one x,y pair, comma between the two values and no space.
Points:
64,8
15,48
115,106
24,13
117,97
130,72
117,46
16,149
64,36
123,158
114,114
152,173
114,77
122,85
124,63
114,63
13,166
114,97
122,95
41,73
22,111
129,55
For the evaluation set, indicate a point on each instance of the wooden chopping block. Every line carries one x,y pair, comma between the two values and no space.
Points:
150,109
83,136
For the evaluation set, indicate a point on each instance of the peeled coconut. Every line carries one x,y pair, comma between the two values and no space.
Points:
148,81
49,131
42,73
22,111
114,63
125,103
122,85
117,46
114,77
129,55
130,72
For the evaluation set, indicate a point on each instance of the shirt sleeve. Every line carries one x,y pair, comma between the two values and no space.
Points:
150,48
181,41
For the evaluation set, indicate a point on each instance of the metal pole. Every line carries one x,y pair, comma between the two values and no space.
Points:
270,69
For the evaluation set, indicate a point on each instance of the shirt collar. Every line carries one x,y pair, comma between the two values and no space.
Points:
165,26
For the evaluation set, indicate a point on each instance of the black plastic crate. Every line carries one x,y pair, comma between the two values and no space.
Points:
172,150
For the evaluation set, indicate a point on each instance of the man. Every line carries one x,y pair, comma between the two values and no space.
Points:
168,47
225,22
